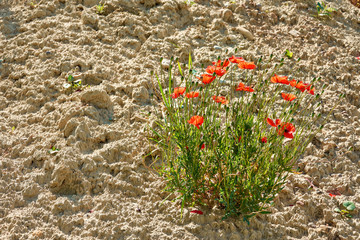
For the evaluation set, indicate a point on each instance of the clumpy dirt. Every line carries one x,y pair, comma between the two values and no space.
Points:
96,186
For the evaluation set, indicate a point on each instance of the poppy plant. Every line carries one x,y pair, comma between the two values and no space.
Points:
234,59
280,79
197,121
178,91
246,65
242,87
288,96
220,99
192,94
206,78
264,140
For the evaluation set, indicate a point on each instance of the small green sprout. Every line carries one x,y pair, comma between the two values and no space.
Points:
100,9
53,150
350,206
32,4
73,84
13,128
289,54
189,2
323,10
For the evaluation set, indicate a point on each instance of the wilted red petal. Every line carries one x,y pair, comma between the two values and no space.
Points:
239,138
197,212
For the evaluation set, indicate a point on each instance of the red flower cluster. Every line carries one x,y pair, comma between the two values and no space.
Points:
220,99
218,68
242,87
178,91
197,121
285,129
299,85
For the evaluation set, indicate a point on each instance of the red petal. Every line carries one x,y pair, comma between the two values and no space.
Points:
277,122
288,135
197,212
270,122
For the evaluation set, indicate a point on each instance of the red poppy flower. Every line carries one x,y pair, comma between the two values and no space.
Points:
332,195
217,68
203,146
299,85
207,78
220,99
310,90
234,59
264,140
242,87
224,65
293,83
278,79
288,96
271,122
246,65
358,58
197,121
286,129
197,212
192,94
178,91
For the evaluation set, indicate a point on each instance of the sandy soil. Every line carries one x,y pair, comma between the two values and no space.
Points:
96,186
